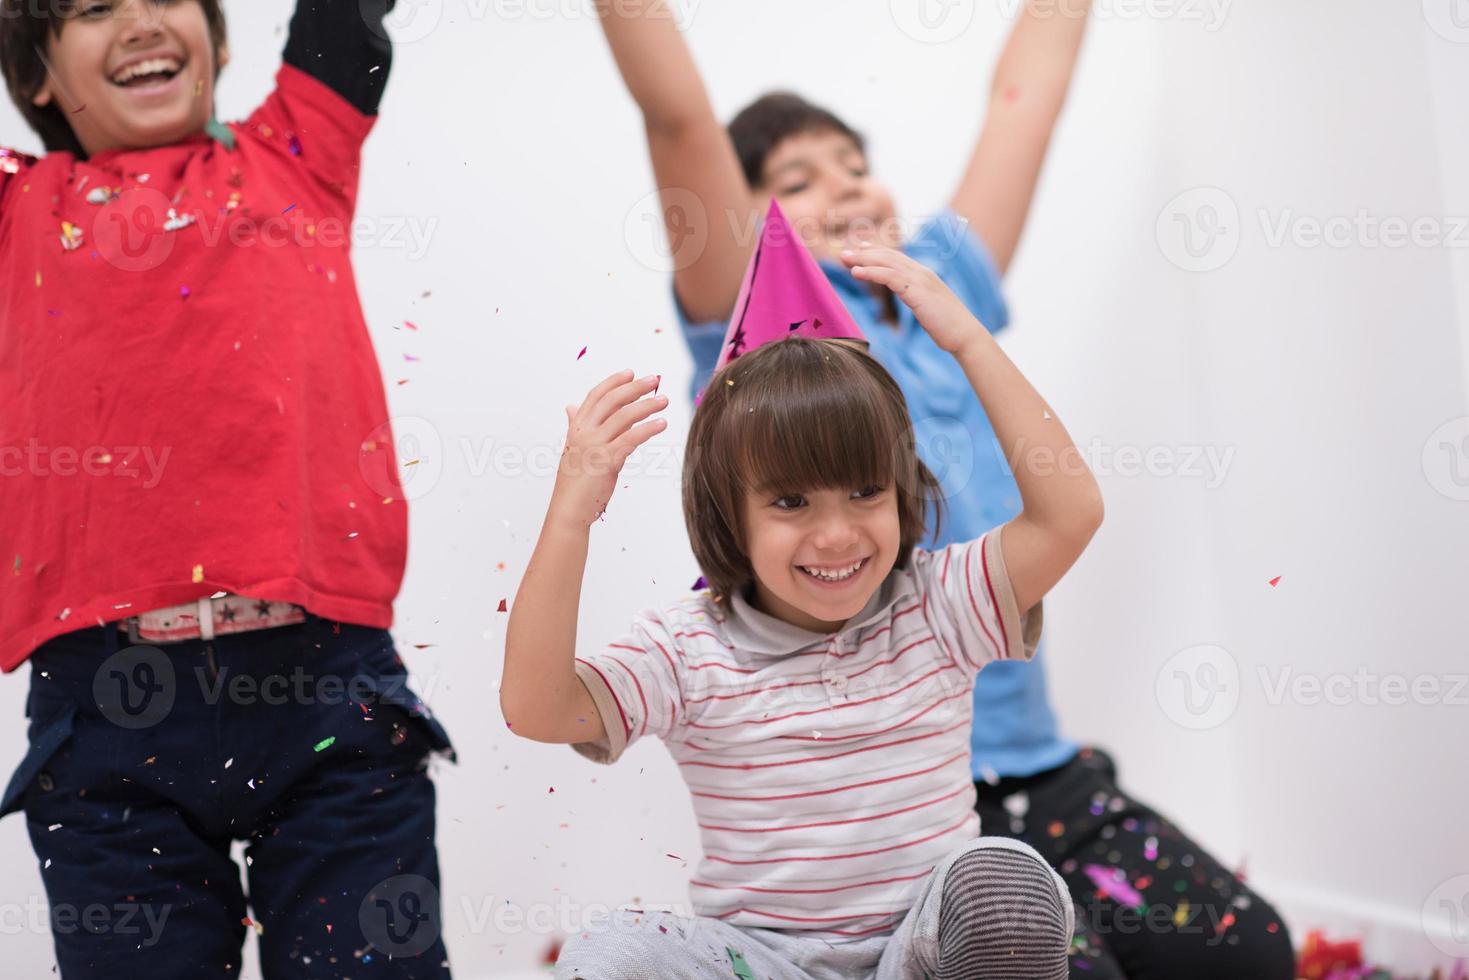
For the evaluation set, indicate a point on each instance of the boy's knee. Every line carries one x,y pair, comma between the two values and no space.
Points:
608,955
1001,896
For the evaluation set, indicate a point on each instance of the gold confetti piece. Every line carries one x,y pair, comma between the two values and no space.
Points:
198,574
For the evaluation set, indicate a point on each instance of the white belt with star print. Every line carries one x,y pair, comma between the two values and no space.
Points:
211,617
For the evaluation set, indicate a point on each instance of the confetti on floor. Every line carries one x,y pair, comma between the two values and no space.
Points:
737,963
324,744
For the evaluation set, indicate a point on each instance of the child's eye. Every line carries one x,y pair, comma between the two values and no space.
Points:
93,9
793,188
791,501
867,492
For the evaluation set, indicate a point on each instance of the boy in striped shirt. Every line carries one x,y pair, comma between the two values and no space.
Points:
817,698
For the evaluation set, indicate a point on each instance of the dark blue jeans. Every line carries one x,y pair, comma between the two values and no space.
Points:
147,762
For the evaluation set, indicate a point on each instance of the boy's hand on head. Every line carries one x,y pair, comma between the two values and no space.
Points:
613,421
945,317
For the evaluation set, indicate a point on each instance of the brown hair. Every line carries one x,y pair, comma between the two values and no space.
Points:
24,28
790,417
762,124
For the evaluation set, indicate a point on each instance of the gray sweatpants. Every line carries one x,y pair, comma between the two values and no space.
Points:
992,910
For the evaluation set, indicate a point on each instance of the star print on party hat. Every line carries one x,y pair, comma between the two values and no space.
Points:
785,294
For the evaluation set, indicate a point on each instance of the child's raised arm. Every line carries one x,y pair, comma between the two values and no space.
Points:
1026,95
1061,502
692,155
540,694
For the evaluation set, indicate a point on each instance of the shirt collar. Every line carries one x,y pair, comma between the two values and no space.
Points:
752,631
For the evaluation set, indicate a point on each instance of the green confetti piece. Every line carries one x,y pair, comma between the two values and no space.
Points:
17,564
221,133
741,968
325,743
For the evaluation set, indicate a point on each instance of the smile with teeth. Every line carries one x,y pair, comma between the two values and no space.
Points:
153,69
839,574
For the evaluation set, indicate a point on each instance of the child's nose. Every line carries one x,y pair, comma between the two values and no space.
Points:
835,533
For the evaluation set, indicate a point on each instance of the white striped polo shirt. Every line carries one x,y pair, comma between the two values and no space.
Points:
829,773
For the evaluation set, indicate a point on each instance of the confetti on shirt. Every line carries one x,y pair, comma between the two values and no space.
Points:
289,208
198,575
324,744
1111,883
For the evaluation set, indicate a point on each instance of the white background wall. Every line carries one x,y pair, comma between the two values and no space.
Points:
1320,372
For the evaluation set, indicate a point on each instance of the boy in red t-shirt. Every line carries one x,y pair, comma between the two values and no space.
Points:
201,515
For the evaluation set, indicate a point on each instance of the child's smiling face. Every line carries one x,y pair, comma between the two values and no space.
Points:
823,184
133,73
819,556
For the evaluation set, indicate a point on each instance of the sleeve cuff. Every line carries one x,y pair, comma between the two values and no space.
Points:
608,749
1022,633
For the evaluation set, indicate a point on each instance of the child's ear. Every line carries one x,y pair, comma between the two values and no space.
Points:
221,57
43,96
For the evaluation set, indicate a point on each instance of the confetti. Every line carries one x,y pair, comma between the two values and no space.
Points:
294,145
1180,914
503,607
552,789
700,584
410,324
71,237
198,575
1275,581
411,359
289,208
16,569
582,354
176,221
325,743
1110,882
185,292
737,962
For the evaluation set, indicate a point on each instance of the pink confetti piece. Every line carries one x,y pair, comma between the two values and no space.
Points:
582,354
1275,581
410,358
1110,882
410,324
185,292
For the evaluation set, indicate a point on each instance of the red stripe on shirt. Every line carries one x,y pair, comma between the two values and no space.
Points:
838,823
969,587
846,857
834,789
626,731
834,707
989,584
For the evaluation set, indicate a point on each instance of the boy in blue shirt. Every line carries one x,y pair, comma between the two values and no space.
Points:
1029,779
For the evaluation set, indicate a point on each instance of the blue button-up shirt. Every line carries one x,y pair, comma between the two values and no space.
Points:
1014,727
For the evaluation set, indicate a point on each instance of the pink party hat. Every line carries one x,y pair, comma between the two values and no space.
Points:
785,294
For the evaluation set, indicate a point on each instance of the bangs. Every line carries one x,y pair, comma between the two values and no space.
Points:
814,415
838,436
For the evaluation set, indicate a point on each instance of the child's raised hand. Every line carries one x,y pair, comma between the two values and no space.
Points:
600,435
945,317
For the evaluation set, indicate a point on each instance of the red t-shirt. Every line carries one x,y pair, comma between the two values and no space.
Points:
191,401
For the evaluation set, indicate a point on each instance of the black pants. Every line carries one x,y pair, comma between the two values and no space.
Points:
147,763
1173,912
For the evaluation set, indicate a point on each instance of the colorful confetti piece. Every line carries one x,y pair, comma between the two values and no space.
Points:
198,575
324,744
582,354
503,607
1275,581
1111,883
